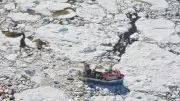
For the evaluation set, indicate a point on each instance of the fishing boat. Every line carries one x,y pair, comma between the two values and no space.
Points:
107,77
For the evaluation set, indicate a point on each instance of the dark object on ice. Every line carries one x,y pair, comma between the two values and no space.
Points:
174,52
31,12
70,78
22,41
30,72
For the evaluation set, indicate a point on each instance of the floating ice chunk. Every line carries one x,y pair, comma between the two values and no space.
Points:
53,6
23,17
10,6
11,57
70,14
160,30
157,4
41,93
